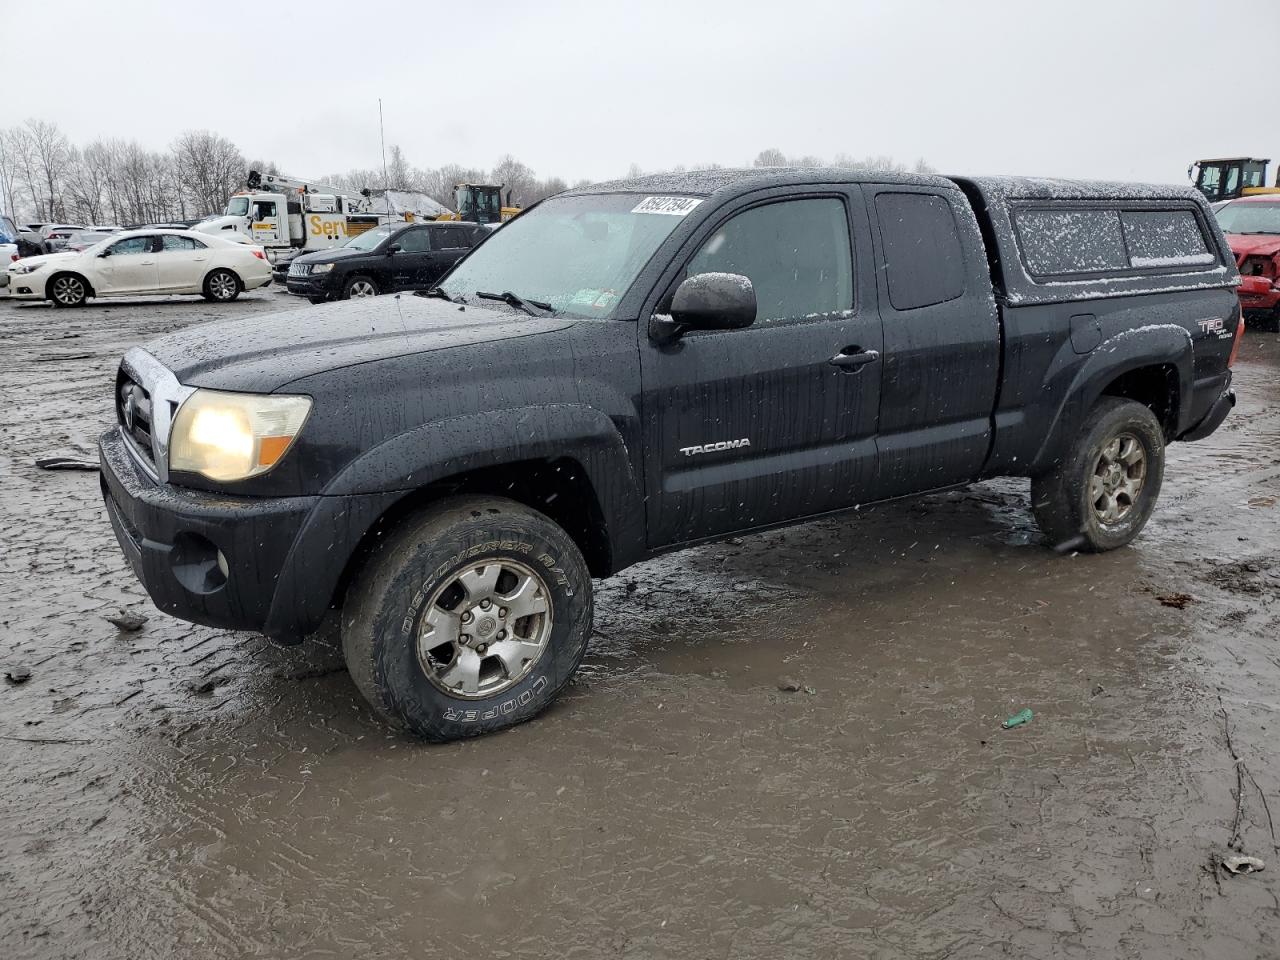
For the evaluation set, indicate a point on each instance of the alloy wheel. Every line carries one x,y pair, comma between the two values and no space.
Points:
1117,479
484,629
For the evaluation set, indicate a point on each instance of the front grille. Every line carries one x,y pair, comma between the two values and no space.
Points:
299,269
133,410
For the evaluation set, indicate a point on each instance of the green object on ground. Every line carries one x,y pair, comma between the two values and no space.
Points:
1018,719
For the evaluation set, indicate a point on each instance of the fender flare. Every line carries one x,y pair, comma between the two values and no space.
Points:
396,468
1154,345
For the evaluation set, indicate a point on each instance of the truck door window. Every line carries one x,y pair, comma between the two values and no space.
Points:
796,254
923,258
1232,184
263,209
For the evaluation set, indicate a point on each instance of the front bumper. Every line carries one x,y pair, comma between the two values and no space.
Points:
309,286
206,558
268,564
26,286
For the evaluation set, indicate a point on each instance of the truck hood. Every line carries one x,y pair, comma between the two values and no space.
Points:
1254,244
261,354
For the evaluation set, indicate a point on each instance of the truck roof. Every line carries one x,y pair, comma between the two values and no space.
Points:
726,182
731,181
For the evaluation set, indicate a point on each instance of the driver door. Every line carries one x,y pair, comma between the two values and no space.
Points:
128,266
746,428
264,223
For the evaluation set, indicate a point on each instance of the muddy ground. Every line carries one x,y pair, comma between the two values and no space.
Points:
177,791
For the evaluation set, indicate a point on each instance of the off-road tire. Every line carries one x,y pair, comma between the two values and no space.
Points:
354,284
63,287
388,599
1060,499
221,286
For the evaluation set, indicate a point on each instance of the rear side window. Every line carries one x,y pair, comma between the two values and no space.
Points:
923,258
449,238
1164,238
796,254
1058,243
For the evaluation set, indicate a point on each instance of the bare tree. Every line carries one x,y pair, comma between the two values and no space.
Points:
52,151
208,168
8,175
772,157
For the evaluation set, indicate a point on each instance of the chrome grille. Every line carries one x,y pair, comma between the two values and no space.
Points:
133,411
299,269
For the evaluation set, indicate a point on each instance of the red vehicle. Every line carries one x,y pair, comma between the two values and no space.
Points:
1252,226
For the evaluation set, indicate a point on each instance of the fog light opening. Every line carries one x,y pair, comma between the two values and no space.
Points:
198,565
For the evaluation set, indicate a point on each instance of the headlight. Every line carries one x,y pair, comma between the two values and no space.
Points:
20,267
234,436
321,267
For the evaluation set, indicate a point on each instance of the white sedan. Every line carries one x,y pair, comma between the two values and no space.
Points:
141,263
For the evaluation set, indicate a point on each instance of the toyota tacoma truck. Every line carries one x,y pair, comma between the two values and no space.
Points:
635,367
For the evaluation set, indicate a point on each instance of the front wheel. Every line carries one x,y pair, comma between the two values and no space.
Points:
359,287
68,290
1102,492
471,618
221,286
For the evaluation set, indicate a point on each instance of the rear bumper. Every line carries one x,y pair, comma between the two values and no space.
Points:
1213,419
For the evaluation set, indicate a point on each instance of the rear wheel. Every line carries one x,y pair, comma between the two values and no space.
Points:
68,290
222,286
359,287
469,619
1101,494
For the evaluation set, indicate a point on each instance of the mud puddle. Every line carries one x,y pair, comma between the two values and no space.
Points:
180,791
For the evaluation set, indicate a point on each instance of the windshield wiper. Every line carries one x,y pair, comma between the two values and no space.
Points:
521,303
438,292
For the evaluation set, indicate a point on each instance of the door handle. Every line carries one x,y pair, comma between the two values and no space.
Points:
200,259
854,358
146,263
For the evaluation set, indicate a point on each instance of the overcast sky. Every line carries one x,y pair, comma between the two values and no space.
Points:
1120,89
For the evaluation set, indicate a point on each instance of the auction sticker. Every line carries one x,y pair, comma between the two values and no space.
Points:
673,206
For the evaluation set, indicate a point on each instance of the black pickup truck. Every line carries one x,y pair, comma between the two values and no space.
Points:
631,368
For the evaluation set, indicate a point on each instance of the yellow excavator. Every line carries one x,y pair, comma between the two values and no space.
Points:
1226,178
480,203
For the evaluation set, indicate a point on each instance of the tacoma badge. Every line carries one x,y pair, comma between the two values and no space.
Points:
698,448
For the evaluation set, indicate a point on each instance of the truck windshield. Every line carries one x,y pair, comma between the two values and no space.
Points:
1250,216
237,207
580,254
369,239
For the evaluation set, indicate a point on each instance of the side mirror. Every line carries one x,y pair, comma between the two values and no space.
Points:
105,253
1255,285
709,301
393,248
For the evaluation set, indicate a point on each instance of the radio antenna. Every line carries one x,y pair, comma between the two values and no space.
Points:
383,130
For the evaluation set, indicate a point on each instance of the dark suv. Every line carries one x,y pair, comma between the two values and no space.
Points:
385,259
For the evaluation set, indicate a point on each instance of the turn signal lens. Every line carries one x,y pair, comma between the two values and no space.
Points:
1235,347
234,436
